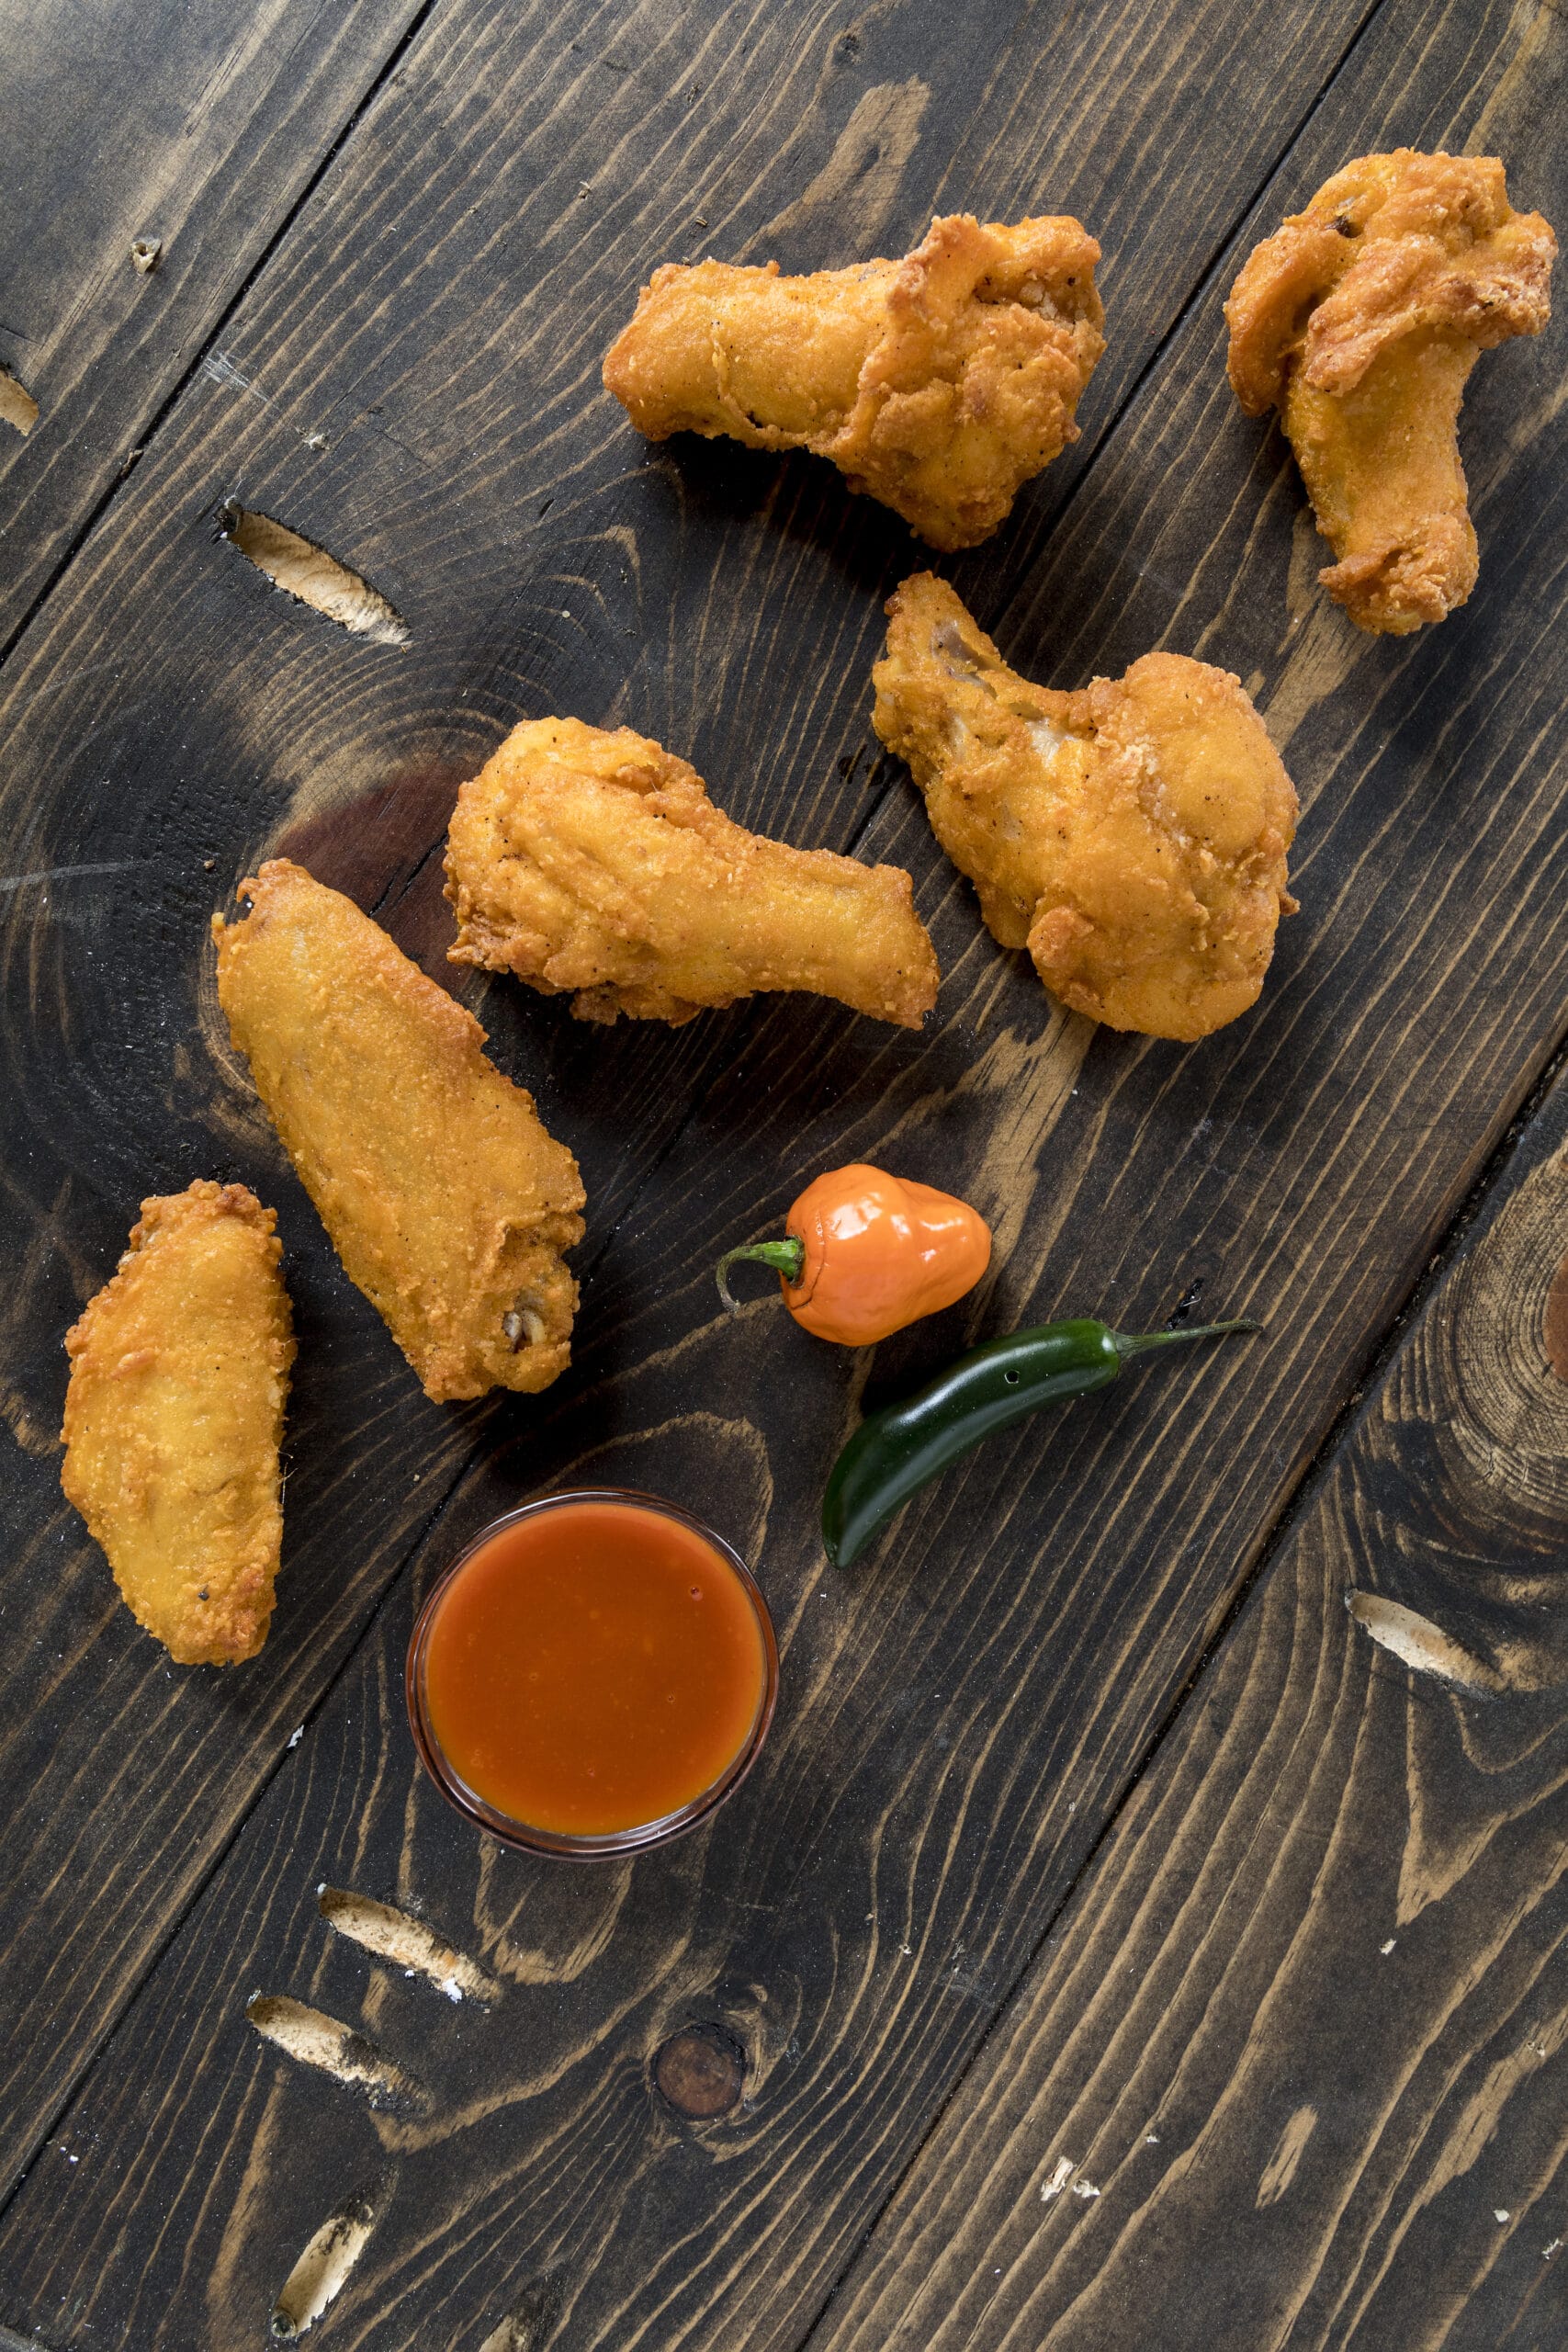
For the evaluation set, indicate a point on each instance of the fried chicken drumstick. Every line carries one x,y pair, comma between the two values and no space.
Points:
1359,321
1131,835
594,860
174,1416
938,384
443,1196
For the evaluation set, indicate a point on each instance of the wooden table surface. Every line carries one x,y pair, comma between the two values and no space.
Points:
1145,1928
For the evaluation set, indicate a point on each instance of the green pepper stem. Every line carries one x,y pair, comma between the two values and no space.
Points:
787,1256
1138,1343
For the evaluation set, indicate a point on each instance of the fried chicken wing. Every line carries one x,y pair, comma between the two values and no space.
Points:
594,860
1131,835
174,1416
446,1201
1359,321
938,384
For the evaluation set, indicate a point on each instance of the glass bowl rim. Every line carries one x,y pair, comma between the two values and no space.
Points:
525,1836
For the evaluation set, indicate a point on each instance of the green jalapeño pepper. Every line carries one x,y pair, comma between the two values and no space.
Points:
895,1451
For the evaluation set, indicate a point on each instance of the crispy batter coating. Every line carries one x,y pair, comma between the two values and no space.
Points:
938,384
446,1201
1359,321
1131,835
179,1370
594,860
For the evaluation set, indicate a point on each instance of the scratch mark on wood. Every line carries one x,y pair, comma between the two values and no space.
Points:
18,405
408,1943
221,369
1420,1645
327,2261
531,2324
316,2040
307,573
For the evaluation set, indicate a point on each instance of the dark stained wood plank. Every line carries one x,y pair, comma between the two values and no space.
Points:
413,382
1291,2071
960,1717
195,129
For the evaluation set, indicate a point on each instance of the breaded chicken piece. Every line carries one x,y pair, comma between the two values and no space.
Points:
446,1201
594,860
1131,835
1359,321
174,1416
938,384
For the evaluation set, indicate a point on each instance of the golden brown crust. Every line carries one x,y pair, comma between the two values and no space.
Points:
1132,835
445,1198
590,860
1360,319
938,384
173,1418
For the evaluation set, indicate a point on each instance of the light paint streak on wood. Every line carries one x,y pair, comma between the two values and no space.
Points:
1320,658
1280,2169
12,882
1482,2112
859,183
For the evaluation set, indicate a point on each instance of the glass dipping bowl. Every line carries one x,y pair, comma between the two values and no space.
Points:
528,1836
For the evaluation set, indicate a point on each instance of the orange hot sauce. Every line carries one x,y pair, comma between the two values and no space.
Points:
593,1665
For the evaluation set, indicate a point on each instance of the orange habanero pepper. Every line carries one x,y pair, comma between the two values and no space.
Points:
865,1253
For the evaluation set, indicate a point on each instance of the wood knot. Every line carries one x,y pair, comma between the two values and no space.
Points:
700,2071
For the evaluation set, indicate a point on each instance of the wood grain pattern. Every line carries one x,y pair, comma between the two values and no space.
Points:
193,131
1290,2074
960,1718
412,385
